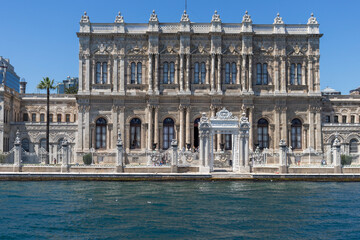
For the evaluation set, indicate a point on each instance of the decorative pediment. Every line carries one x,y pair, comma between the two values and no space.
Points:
102,48
200,49
169,49
232,49
224,114
296,50
136,50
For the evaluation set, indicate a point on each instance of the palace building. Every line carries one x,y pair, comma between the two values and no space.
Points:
152,81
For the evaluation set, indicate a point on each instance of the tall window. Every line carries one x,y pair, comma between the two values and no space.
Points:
133,66
353,146
196,73
43,143
203,72
233,73
327,119
296,134
172,72
166,72
104,72
265,74
50,118
228,141
135,133
352,119
336,119
25,144
25,117
292,74
139,72
344,120
33,117
59,118
67,117
298,76
42,117
98,72
227,73
100,137
168,132
263,133
262,74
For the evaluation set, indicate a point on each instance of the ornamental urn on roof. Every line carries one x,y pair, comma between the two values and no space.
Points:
185,17
85,18
153,17
278,19
312,19
246,18
119,18
216,17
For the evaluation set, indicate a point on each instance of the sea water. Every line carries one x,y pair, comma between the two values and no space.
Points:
179,210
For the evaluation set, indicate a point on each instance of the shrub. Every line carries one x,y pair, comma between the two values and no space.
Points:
87,158
346,160
2,157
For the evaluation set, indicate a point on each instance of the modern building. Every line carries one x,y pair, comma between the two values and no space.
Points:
8,75
152,82
69,82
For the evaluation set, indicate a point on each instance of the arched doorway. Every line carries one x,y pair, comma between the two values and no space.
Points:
100,137
196,133
168,132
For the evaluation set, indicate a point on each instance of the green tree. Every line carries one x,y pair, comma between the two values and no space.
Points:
72,90
47,84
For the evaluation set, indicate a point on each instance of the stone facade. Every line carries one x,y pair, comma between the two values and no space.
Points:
152,81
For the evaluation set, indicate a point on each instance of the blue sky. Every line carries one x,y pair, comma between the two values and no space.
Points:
40,39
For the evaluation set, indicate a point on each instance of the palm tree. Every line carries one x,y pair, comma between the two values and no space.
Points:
47,84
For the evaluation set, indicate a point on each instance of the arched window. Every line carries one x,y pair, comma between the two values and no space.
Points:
203,72
263,133
98,72
100,137
228,141
353,146
196,73
59,145
104,72
265,74
166,72
234,73
133,66
25,144
172,72
296,134
139,73
292,74
258,74
227,73
135,133
196,132
43,143
299,74
168,132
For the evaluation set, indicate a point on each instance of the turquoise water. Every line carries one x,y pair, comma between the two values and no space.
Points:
179,210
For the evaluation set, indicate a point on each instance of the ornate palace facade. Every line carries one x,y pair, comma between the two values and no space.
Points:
151,82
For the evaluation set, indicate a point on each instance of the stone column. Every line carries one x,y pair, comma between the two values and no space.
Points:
187,124
122,123
276,75
79,138
87,128
250,74
251,133
65,156
150,127
283,123
80,74
244,144
17,153
156,85
115,74
336,156
207,71
174,156
188,73
115,126
212,73
283,157
156,128
243,73
316,75
312,128
318,138
310,75
238,73
122,75
212,114
119,153
303,73
176,76
283,74
219,74
181,132
93,73
108,77
181,74
87,74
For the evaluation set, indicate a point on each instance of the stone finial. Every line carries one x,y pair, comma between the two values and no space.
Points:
336,142
312,19
119,18
174,143
119,140
282,143
185,17
243,118
278,19
216,17
153,17
17,139
246,18
85,18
